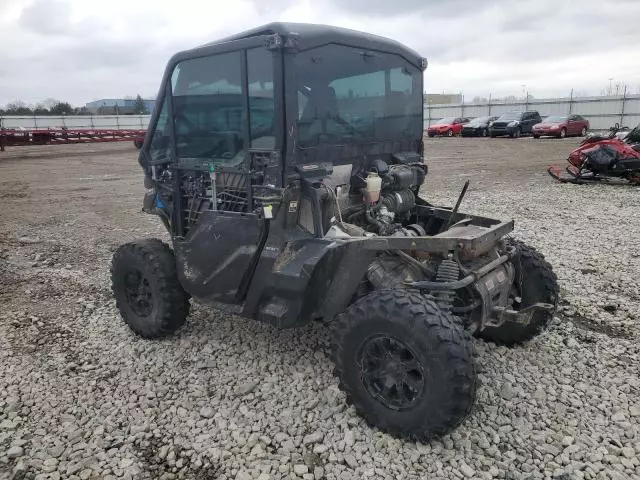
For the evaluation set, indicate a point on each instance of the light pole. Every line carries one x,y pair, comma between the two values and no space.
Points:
610,89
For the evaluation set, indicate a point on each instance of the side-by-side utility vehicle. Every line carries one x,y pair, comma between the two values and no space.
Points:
286,163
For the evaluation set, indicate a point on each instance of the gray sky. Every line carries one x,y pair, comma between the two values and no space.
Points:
82,50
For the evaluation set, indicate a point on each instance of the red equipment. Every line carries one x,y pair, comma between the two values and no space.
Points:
447,126
603,158
16,137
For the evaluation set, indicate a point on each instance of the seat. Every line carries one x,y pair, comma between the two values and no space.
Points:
322,104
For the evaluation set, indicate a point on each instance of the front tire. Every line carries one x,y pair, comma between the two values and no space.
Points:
405,365
536,282
583,132
563,133
145,284
449,133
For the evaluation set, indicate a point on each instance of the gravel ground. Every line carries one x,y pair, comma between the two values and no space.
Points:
82,398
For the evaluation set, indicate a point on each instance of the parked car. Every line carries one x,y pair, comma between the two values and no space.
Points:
449,126
561,126
514,124
478,127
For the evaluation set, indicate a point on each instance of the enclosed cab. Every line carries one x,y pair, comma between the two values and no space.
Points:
286,106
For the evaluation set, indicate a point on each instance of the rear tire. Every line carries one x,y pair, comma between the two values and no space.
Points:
563,133
485,132
406,366
145,284
536,136
537,283
449,133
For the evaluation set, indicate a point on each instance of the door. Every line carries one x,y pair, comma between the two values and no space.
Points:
574,125
223,110
529,121
457,125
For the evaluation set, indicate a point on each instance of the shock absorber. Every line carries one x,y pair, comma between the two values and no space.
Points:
448,271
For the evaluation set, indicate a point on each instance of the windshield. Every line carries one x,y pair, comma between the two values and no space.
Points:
479,120
445,121
347,95
557,119
510,116
209,112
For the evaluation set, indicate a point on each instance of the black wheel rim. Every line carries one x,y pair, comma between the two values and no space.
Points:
390,372
138,292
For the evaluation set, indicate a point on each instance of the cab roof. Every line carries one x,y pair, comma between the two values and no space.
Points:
309,35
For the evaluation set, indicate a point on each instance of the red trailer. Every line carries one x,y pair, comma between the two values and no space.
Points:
52,136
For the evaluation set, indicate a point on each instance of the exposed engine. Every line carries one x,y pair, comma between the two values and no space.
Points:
382,198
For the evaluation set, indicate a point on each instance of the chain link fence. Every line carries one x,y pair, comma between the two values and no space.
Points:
602,112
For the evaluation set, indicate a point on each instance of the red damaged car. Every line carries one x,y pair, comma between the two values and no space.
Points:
561,126
447,126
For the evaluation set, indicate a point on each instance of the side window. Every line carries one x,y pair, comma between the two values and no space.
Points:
401,81
209,109
159,148
368,85
351,93
302,103
401,85
261,98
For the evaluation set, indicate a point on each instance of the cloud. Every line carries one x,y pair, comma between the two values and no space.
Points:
47,17
72,50
432,9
